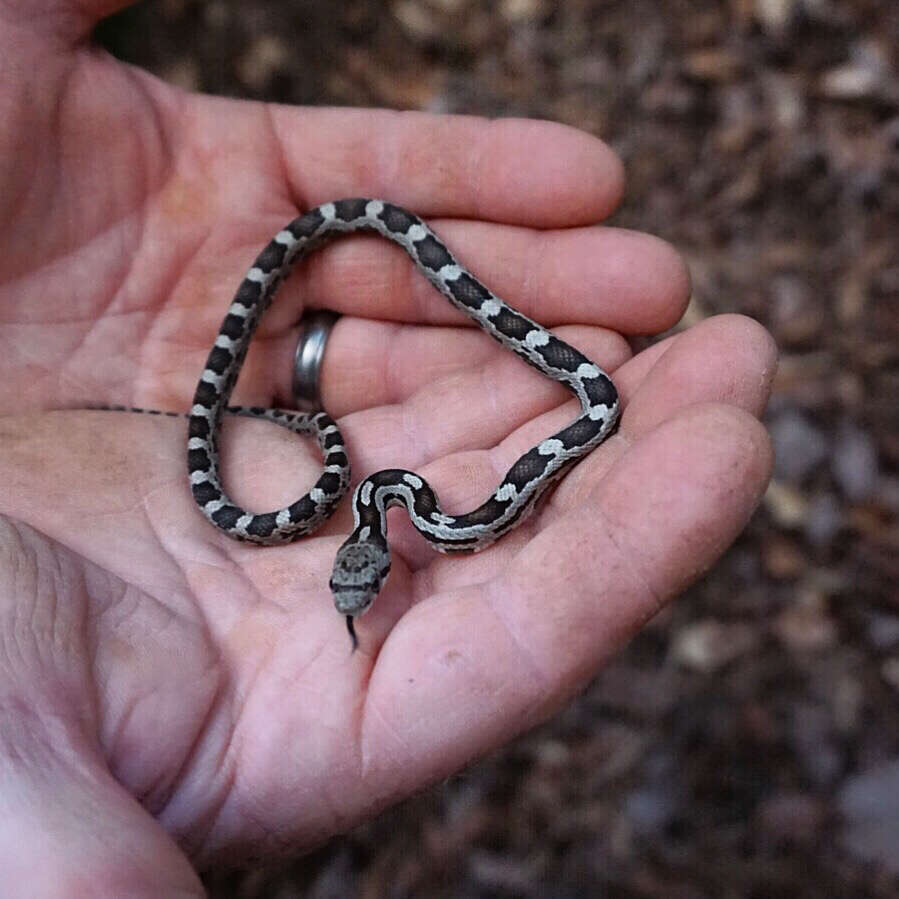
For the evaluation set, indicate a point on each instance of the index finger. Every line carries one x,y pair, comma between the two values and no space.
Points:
516,171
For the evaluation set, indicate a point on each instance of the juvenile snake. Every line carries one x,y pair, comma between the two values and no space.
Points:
363,561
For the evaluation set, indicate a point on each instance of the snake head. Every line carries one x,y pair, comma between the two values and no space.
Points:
359,572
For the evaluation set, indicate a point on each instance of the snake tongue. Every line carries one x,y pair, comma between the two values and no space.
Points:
350,626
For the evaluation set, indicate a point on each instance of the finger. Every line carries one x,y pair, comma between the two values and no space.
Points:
473,405
67,827
520,171
397,375
626,280
728,359
424,368
464,671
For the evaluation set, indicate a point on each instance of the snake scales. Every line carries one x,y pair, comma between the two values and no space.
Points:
363,561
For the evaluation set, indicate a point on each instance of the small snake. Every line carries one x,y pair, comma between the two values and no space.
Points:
363,561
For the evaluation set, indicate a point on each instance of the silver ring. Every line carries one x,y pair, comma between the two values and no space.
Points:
307,362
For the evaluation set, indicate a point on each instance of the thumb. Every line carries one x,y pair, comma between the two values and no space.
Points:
67,827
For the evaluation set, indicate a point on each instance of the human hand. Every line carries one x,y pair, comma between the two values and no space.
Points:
161,681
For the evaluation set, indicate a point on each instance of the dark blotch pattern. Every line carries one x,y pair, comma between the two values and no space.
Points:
348,210
205,493
219,359
579,432
248,293
302,509
433,254
459,544
232,326
425,502
600,390
343,588
388,477
198,427
329,482
262,525
468,292
531,465
512,323
271,257
206,394
306,225
397,220
198,460
369,515
337,457
485,514
560,355
227,517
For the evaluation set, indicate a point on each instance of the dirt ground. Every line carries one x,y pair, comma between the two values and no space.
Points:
747,743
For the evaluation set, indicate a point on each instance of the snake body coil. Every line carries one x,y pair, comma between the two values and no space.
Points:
363,561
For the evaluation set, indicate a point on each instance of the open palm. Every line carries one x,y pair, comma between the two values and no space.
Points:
160,680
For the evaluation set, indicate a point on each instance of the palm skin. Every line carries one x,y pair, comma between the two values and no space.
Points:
172,698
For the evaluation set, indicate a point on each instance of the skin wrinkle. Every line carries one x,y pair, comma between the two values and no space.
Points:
359,161
49,736
423,580
44,583
235,571
393,375
146,85
388,158
201,829
474,174
634,551
561,496
63,320
18,189
112,750
162,151
497,601
416,157
82,69
121,578
203,730
71,364
371,717
627,558
114,607
46,575
487,387
531,276
412,437
280,157
627,563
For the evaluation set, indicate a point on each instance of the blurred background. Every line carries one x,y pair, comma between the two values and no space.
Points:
747,743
